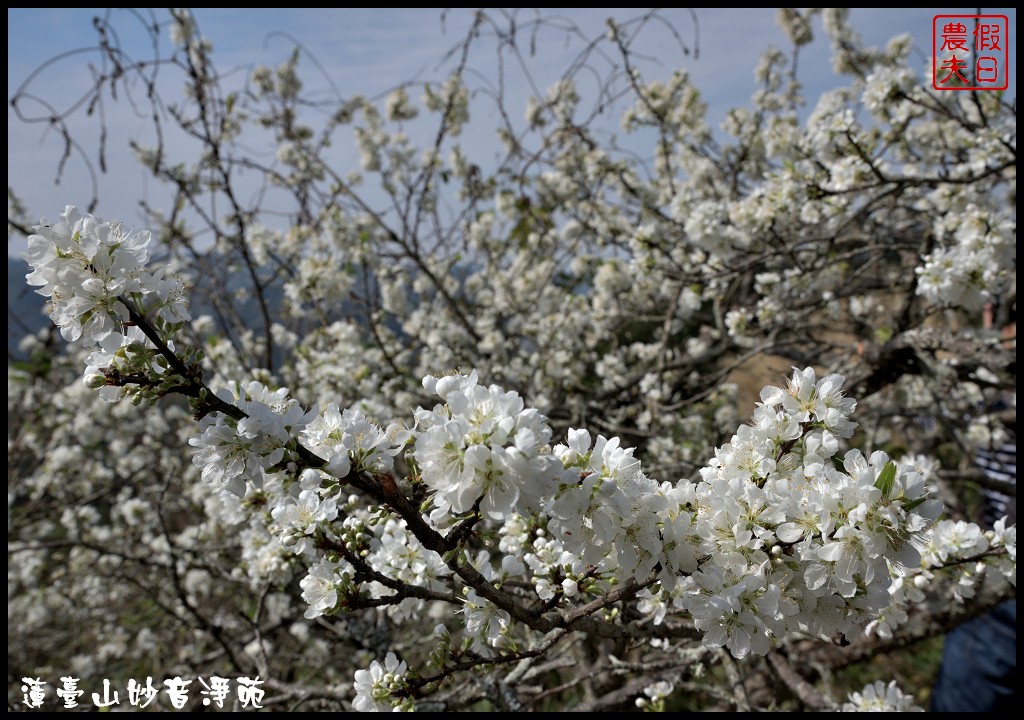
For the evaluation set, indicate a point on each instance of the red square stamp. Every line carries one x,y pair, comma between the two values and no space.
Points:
970,52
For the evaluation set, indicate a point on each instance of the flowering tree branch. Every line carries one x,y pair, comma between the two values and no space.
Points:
645,287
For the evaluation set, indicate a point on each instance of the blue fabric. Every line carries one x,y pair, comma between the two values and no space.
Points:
979,664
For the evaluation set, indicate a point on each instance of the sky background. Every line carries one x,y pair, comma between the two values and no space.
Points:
369,51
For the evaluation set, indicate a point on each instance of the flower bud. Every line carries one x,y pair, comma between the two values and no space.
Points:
95,381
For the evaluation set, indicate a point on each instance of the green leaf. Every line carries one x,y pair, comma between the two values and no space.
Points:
911,504
886,479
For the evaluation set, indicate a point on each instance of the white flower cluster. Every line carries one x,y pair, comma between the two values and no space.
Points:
396,553
298,522
654,696
776,538
959,543
974,260
320,586
232,452
879,697
482,446
348,441
607,512
485,623
554,568
89,268
376,686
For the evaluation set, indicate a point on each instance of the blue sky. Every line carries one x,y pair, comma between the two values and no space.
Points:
369,51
